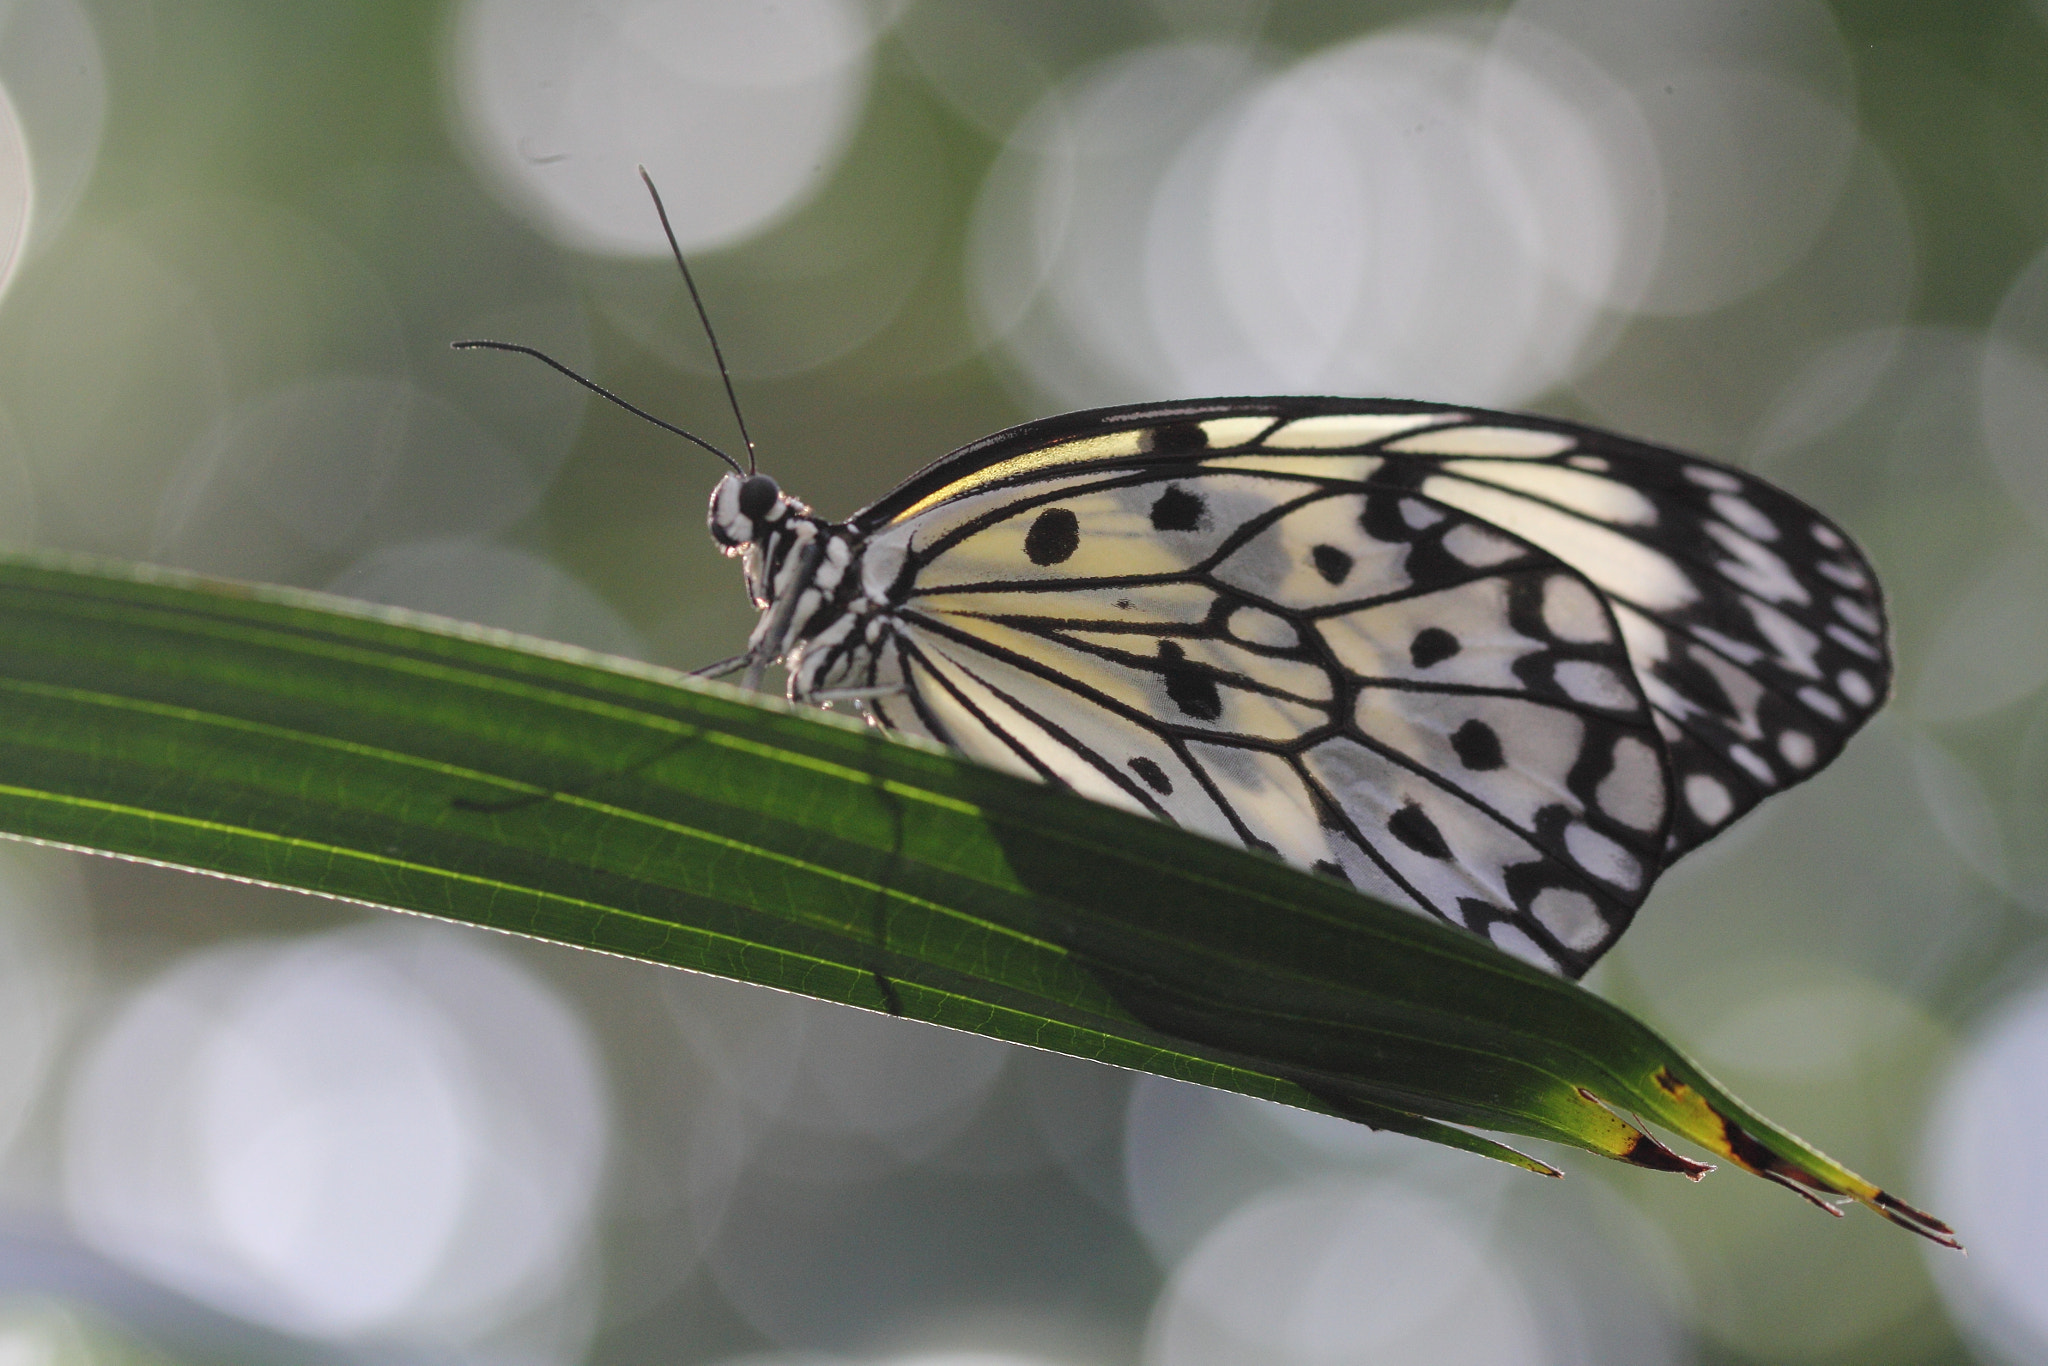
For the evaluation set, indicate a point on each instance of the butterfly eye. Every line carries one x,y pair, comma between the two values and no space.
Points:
757,496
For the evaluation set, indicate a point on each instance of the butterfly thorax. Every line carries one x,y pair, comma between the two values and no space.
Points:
818,614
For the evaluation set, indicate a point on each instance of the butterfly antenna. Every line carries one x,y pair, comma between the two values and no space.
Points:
703,317
594,387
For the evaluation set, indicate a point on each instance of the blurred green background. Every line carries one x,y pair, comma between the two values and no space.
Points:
239,1124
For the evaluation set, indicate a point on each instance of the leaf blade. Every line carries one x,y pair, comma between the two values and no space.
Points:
285,738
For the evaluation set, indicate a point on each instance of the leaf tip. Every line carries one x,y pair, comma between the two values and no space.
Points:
1812,1180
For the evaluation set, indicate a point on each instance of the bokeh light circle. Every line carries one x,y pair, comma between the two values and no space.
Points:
55,80
17,189
2014,389
1430,211
1984,1183
1415,212
1751,112
1337,1272
388,1132
40,977
738,111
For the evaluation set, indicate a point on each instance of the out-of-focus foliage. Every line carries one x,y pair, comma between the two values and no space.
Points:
1798,236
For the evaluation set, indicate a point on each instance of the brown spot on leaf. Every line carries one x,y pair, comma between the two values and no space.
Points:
1645,1151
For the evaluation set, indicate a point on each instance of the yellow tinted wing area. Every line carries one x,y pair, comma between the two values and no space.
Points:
1217,434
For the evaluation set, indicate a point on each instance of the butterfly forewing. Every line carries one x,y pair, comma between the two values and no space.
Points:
1500,668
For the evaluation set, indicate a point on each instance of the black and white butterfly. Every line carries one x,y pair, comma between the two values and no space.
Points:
1500,669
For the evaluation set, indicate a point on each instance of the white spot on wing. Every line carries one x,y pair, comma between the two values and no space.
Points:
1353,468
1827,535
1740,651
1855,687
1633,790
1331,431
1596,685
1618,565
1420,515
1604,500
1708,797
1794,644
1479,547
1821,702
1256,626
1747,760
1755,568
881,564
1602,857
1797,748
1571,917
1744,516
1515,442
1858,615
1225,432
1706,476
1847,575
1515,942
1571,612
1849,640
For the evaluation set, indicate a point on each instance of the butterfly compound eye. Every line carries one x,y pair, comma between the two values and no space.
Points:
757,495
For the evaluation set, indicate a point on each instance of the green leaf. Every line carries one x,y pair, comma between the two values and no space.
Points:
302,741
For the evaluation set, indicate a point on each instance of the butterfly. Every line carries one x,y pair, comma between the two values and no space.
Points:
1498,669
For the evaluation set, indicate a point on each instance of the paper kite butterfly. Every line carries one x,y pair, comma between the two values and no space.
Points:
1499,669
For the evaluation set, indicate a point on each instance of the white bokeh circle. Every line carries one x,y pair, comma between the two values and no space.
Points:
383,1133
1984,1182
17,189
1449,210
1417,212
55,80
1751,112
2013,389
1332,1272
737,111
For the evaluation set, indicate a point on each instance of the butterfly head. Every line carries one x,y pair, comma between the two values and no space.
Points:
775,536
746,508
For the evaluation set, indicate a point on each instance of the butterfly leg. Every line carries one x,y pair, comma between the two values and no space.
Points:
722,667
827,696
772,642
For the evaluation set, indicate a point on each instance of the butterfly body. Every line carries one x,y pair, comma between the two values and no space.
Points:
1499,669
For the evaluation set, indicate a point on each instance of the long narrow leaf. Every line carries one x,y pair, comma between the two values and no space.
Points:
301,741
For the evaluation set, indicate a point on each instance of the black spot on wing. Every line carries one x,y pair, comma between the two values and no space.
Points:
1154,776
1478,746
1054,536
1174,438
1177,510
1381,518
1330,562
1412,826
1432,645
1190,688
